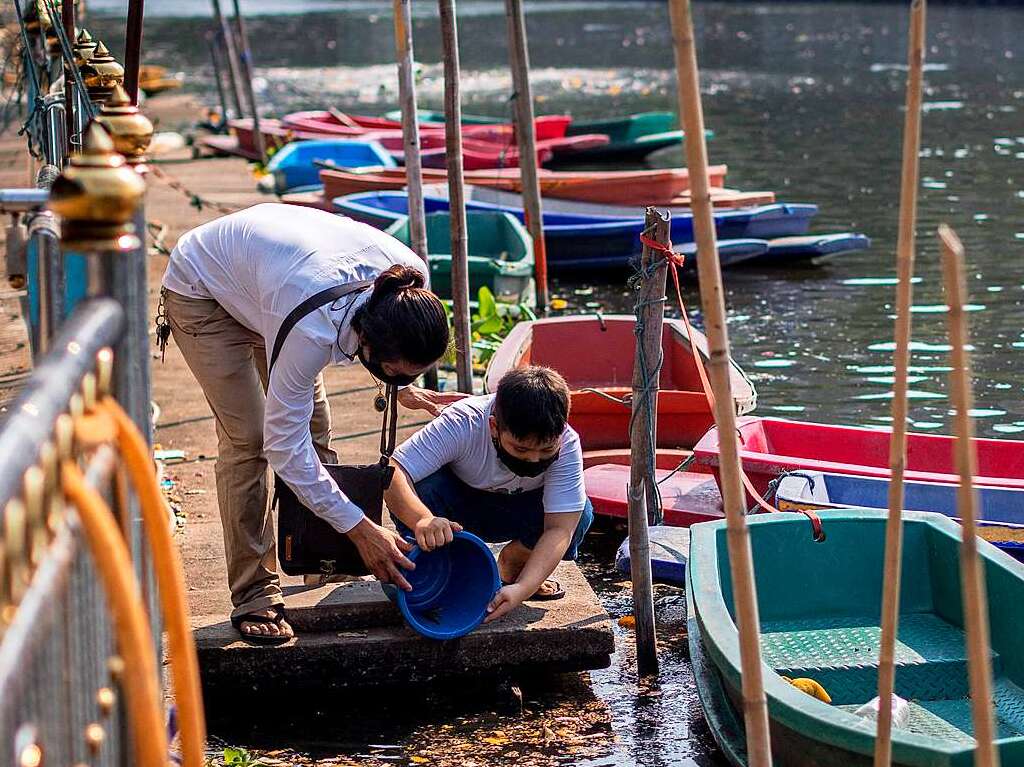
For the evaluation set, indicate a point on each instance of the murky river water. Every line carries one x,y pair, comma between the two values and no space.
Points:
805,99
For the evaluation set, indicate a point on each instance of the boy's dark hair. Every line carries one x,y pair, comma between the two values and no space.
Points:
532,403
403,320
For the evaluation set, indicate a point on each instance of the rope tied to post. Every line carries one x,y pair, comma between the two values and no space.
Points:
677,261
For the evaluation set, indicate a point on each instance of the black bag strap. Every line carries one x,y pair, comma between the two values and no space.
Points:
389,427
311,304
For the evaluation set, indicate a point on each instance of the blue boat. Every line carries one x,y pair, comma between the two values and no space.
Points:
577,241
1000,511
812,248
296,167
670,547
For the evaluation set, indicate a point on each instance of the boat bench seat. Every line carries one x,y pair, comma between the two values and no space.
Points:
841,654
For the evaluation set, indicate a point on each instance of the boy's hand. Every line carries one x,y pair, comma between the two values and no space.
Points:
505,601
434,532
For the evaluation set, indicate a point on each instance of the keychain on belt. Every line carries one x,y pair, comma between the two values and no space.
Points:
163,325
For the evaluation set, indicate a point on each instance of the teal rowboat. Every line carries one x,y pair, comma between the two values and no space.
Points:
500,254
819,607
633,137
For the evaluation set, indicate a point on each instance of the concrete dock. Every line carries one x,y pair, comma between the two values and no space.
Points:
348,634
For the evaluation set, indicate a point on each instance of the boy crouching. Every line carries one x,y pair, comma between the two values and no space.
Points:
506,467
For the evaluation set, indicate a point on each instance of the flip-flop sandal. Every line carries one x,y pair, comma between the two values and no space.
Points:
558,593
262,639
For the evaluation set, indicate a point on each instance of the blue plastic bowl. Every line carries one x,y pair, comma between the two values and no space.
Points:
451,588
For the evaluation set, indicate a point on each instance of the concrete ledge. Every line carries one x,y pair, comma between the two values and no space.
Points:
350,635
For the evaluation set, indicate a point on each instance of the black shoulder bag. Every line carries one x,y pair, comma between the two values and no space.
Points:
306,543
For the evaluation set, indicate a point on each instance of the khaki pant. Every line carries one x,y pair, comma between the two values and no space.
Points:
230,363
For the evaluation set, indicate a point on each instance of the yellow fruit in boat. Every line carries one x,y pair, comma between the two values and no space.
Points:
811,687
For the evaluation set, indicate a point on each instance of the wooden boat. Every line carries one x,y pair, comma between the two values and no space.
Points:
812,248
678,205
640,187
1000,514
297,165
632,137
687,497
500,254
337,122
590,242
772,446
595,355
823,624
438,118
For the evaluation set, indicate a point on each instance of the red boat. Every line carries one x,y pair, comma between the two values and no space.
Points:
771,446
595,355
687,497
338,123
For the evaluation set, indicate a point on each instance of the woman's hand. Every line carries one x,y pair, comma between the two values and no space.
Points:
434,532
415,398
505,601
383,552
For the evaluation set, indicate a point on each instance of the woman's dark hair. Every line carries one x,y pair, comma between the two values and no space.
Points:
532,403
403,320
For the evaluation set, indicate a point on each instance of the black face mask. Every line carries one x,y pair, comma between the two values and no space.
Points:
377,371
519,466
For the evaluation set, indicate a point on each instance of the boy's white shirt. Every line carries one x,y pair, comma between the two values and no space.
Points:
460,438
259,264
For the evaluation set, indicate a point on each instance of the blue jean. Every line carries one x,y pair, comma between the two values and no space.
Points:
495,517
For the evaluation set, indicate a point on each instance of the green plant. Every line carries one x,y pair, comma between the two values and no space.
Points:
489,324
239,757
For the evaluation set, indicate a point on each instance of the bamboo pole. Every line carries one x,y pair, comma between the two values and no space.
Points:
646,368
228,41
133,48
410,126
972,574
456,196
901,362
741,565
219,79
519,55
246,59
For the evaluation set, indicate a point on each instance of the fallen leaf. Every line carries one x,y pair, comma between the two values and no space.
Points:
627,622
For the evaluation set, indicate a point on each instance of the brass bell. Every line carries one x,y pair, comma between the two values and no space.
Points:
96,196
84,48
101,73
130,130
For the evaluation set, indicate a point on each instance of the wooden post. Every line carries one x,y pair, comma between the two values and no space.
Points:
643,424
133,48
246,59
218,77
456,196
972,573
901,362
522,95
741,565
229,53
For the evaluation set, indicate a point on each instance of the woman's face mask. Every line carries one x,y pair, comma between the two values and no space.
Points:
377,371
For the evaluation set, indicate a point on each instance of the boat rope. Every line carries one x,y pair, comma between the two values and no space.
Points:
195,200
626,400
32,126
683,466
675,262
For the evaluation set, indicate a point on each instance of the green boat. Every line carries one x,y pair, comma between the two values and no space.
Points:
500,254
819,607
633,137
433,116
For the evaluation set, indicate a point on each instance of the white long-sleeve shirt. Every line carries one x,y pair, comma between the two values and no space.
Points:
259,264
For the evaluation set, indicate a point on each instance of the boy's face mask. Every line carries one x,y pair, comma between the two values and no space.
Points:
520,466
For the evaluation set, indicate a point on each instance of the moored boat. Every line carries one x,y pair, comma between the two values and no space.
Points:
1000,514
341,123
770,447
819,606
812,248
500,254
595,354
631,137
297,165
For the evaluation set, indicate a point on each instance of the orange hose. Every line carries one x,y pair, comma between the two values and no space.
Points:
130,623
170,583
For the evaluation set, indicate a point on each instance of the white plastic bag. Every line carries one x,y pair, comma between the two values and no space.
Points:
900,711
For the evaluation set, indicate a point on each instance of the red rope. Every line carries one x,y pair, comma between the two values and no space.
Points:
676,262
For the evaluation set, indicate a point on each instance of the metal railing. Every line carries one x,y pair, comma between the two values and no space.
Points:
60,695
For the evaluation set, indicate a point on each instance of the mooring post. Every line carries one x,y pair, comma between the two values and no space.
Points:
901,361
67,21
133,48
741,561
411,139
246,58
456,196
218,77
522,100
974,596
647,364
229,53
